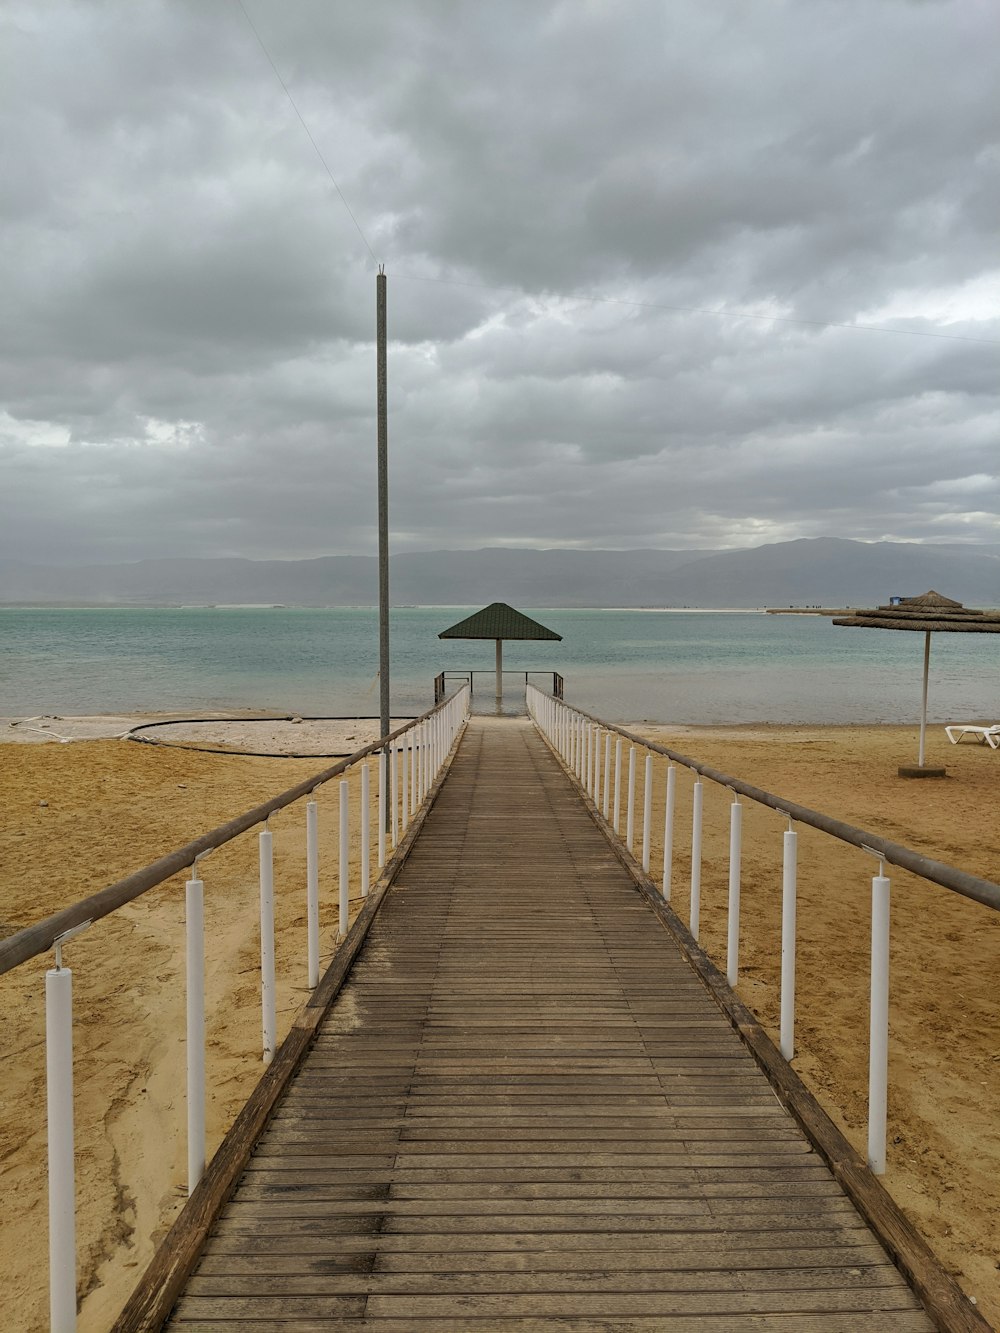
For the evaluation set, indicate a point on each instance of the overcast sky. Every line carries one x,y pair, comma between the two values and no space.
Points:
187,359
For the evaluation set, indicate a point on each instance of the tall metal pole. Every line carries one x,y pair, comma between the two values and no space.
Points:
383,503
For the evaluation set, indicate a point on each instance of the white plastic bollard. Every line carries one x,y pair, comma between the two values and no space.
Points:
618,784
345,851
788,895
668,831
735,853
366,830
630,807
697,799
381,809
607,774
647,812
194,929
878,1028
312,893
267,997
62,1184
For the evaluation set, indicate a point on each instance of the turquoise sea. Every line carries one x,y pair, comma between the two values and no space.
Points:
698,667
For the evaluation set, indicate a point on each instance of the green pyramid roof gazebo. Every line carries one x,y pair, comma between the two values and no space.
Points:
498,621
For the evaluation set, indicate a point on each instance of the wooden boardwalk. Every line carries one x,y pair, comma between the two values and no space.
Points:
525,1112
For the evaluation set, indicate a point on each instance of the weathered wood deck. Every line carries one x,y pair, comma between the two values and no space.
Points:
525,1112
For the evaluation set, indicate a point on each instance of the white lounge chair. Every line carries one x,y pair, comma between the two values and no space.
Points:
991,735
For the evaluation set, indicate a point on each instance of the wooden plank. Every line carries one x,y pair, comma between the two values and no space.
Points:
252,1281
872,1302
828,1322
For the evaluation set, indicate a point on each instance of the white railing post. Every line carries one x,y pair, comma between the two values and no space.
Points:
697,798
668,831
618,784
381,809
404,802
735,852
394,796
607,774
267,997
647,812
412,738
630,807
194,929
788,895
878,1037
345,851
62,1183
312,893
366,830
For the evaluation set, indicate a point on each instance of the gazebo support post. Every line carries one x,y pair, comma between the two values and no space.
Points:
499,674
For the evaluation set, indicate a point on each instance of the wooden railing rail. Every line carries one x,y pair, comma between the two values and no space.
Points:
584,743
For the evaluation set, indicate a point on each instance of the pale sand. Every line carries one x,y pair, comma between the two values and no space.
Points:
114,806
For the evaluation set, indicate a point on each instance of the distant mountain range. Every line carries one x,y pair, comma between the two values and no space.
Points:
824,571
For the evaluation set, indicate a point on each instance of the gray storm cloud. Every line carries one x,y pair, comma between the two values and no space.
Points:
186,334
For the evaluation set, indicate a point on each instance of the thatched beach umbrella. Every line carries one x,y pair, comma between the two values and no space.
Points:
929,614
498,621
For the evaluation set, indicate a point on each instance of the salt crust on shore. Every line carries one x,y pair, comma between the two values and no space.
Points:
78,816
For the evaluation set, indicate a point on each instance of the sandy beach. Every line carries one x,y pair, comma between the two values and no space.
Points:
81,813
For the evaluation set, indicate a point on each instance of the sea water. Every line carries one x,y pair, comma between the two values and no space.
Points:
694,667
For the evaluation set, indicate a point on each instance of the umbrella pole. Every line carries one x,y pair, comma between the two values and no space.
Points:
499,674
923,703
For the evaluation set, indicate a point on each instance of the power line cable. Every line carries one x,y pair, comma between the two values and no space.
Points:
302,122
